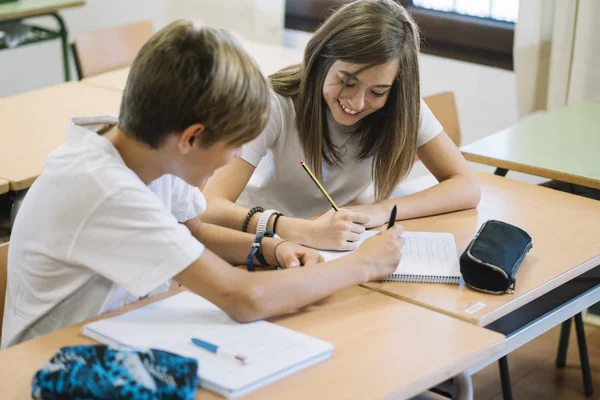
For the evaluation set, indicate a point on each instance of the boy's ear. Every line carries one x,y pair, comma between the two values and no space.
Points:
190,137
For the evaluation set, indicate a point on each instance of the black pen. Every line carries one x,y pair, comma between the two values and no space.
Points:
392,218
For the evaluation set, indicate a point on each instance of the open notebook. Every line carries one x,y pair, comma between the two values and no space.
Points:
272,351
428,257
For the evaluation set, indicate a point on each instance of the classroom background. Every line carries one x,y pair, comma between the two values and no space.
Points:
504,61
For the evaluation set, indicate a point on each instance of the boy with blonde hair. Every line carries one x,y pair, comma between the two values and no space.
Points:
113,217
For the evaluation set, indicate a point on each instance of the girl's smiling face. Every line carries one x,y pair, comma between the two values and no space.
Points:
352,97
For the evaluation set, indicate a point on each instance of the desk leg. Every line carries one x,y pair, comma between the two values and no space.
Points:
563,343
501,171
505,378
464,386
64,40
583,356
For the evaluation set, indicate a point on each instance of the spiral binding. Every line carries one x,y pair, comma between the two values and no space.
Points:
453,280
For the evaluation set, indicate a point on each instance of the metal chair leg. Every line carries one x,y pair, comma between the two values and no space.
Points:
464,386
505,378
583,356
563,343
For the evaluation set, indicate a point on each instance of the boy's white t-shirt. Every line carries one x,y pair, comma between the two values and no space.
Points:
90,236
280,183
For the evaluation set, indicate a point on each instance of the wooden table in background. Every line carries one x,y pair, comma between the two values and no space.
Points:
33,124
383,348
562,144
16,11
35,8
269,58
3,186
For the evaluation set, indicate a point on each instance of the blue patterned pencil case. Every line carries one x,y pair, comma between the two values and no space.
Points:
104,372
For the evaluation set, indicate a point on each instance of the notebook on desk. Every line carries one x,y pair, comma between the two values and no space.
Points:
428,257
271,350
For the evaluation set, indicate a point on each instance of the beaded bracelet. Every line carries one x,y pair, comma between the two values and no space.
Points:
252,211
255,251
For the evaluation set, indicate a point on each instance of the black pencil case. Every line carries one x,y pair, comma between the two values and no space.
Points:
491,260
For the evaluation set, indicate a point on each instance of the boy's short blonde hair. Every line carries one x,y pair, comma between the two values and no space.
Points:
186,75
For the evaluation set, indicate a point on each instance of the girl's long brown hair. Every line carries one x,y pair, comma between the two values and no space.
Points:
369,33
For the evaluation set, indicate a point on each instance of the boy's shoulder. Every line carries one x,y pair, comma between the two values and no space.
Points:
86,158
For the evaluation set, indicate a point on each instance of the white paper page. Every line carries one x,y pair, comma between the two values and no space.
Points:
424,253
171,323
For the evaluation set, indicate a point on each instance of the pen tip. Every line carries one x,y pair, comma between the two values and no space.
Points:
301,162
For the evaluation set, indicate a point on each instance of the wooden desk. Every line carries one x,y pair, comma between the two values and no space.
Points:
3,186
16,11
33,124
35,8
564,228
383,348
114,80
270,59
562,144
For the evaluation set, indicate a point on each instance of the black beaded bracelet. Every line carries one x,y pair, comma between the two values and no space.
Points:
275,222
252,211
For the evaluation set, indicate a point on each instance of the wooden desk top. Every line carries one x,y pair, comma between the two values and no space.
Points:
270,59
33,124
562,144
32,8
383,348
564,228
3,186
114,80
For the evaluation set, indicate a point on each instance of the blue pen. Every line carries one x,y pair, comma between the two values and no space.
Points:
213,348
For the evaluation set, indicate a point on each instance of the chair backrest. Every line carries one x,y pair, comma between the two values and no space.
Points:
3,279
443,106
105,50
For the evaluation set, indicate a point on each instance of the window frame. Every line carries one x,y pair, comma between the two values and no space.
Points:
446,34
463,37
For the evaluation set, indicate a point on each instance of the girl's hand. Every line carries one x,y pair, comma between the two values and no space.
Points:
337,230
378,214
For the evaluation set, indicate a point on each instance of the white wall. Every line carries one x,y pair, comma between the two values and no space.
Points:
257,20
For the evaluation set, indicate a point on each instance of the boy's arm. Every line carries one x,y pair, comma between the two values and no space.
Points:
234,246
249,296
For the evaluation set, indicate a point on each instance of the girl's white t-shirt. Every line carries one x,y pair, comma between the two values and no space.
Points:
280,183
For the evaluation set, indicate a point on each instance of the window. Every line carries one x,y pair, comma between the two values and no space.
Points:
479,31
500,10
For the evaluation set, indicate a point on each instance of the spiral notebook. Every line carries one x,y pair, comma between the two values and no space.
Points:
427,257
272,351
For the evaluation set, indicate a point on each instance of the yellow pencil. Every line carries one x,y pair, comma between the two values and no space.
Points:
314,178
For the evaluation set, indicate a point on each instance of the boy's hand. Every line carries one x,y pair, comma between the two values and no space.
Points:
289,255
381,254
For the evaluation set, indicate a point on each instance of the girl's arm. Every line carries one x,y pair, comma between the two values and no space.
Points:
457,189
332,231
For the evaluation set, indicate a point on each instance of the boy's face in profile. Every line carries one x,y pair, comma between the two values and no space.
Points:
200,162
